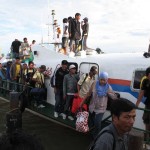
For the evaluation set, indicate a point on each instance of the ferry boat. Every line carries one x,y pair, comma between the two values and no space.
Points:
125,73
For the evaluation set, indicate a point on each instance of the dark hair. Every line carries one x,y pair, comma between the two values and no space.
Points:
43,67
30,62
93,68
64,62
20,140
121,105
65,20
147,71
9,63
77,14
69,18
25,38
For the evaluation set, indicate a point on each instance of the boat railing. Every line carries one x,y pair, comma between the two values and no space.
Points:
7,86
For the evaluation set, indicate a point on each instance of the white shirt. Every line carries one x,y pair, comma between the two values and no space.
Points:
64,27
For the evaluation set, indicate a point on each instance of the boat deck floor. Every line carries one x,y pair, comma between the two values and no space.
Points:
48,111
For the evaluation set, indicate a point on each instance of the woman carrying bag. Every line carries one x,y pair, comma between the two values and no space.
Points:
99,100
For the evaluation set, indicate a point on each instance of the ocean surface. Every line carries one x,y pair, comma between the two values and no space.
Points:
53,136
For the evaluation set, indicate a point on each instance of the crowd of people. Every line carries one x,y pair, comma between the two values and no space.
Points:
21,49
15,73
94,93
72,33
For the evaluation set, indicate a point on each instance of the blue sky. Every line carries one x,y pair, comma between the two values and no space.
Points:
115,25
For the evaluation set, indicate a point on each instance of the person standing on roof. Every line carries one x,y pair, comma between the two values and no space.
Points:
74,32
85,30
25,47
114,136
65,35
15,48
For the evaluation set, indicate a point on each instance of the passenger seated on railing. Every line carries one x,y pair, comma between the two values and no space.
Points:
28,74
19,140
39,91
25,47
16,72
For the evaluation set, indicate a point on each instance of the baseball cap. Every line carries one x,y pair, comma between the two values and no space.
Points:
72,66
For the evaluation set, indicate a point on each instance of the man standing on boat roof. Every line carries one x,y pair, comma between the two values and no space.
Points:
74,32
65,35
25,47
85,30
15,48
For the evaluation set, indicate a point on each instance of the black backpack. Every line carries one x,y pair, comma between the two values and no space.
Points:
52,80
92,145
29,76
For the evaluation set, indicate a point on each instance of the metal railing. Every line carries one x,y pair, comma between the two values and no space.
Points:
6,87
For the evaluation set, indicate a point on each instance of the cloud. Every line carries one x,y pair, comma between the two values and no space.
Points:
114,25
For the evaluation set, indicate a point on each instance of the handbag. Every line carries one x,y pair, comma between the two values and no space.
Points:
82,121
76,105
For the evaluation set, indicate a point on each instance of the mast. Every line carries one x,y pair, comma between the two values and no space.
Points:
54,23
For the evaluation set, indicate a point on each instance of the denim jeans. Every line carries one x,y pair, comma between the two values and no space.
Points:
97,118
68,105
59,101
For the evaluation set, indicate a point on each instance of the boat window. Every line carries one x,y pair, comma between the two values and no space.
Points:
85,68
138,75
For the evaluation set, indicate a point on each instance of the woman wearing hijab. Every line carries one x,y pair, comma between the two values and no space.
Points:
99,100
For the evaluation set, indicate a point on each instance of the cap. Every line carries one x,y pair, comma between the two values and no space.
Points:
72,66
64,62
43,67
85,19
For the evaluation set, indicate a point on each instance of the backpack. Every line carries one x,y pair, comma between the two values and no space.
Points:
29,76
84,78
92,145
52,80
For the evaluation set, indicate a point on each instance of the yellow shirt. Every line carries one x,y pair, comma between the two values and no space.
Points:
39,79
17,69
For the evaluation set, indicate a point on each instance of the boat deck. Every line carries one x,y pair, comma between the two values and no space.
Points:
48,111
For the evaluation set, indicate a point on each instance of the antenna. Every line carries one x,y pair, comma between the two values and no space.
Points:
48,21
54,23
